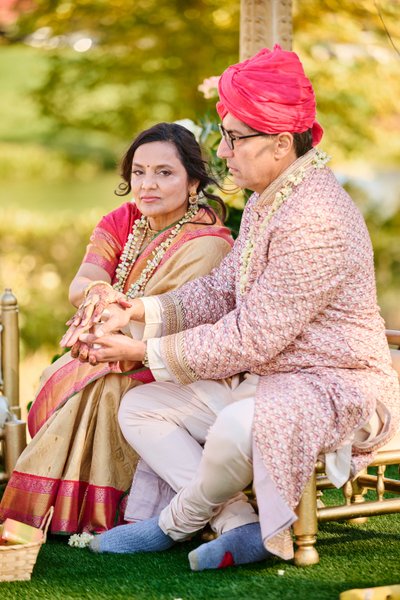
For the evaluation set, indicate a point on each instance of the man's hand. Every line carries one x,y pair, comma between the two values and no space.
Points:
113,319
113,348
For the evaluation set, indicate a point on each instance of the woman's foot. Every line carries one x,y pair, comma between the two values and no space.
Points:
235,547
144,536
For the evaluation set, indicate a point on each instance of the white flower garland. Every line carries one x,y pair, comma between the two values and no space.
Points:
132,250
318,161
80,540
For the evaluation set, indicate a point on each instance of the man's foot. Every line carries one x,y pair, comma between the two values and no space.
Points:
235,547
144,536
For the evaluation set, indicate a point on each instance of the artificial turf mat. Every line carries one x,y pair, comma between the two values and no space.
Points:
351,556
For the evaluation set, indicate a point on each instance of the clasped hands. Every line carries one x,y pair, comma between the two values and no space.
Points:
94,333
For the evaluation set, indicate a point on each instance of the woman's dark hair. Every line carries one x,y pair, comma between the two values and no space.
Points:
190,156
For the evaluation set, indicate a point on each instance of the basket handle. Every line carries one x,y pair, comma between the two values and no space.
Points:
46,522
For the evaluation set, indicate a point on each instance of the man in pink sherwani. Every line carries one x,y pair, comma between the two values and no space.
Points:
277,356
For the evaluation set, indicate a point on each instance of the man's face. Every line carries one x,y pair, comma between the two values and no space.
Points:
252,163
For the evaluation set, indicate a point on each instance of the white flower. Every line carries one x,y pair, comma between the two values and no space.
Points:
286,191
298,177
320,160
80,540
191,126
209,87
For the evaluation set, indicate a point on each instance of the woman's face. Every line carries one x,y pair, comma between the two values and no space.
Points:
160,183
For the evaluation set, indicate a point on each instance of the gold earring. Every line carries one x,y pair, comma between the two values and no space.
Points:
193,197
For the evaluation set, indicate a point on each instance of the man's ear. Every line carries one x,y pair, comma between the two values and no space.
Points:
284,144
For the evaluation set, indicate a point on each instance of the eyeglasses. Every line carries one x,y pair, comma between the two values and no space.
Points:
229,138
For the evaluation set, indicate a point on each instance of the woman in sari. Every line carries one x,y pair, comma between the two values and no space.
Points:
78,460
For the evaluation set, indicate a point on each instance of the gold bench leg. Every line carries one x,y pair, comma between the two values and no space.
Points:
306,527
354,494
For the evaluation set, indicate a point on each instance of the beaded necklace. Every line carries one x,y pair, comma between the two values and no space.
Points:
279,190
132,251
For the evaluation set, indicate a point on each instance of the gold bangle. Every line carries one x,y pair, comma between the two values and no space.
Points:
92,284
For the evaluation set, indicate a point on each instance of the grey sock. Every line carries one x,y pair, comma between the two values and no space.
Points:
144,536
235,547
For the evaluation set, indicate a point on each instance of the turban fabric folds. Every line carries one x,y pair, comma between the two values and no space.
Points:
270,93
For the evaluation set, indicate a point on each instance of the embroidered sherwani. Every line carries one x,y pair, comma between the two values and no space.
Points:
300,311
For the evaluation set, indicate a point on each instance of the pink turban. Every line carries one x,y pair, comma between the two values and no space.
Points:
270,93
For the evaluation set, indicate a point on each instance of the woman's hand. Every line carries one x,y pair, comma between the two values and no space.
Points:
113,348
80,350
99,297
115,317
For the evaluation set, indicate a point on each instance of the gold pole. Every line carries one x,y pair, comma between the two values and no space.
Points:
13,435
10,350
3,474
15,438
264,23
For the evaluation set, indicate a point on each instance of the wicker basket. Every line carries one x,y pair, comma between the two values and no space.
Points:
17,561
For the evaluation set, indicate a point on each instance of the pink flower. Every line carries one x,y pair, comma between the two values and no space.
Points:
209,87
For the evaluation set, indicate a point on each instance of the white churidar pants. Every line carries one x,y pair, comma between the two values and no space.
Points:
168,423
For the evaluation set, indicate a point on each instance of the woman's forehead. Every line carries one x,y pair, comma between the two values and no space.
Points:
156,152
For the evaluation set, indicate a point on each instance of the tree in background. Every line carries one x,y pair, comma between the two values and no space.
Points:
144,61
350,51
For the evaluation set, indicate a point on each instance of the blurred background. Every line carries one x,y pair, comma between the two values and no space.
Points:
79,79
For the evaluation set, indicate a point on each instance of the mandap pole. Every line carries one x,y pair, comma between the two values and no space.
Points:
14,432
264,23
9,353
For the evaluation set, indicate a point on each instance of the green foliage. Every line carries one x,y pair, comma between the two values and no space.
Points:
40,258
385,236
147,62
384,232
145,66
354,69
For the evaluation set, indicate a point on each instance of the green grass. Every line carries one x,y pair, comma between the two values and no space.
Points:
351,557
